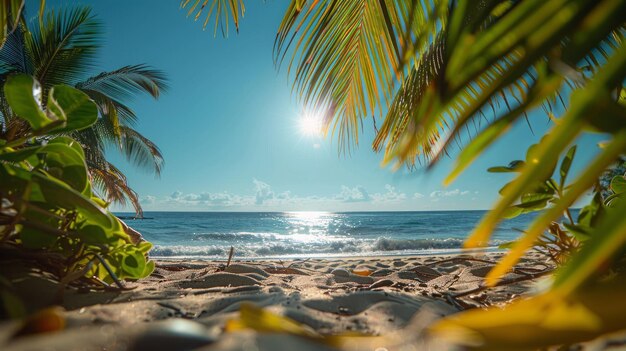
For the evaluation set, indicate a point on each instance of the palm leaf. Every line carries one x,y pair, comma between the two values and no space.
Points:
63,46
140,150
11,12
113,184
345,57
224,11
126,82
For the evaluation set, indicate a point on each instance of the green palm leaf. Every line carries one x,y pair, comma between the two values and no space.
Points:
126,82
63,46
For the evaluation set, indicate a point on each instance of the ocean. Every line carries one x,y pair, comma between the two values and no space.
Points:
313,234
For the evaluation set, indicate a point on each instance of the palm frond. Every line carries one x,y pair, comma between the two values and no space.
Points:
140,150
13,56
112,183
345,57
11,12
107,105
63,46
126,82
224,11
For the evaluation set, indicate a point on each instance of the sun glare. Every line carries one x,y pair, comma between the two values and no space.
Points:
310,125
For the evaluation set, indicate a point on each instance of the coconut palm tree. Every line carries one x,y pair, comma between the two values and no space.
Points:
61,48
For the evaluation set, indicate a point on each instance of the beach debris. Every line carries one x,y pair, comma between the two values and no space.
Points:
44,321
362,271
262,320
173,334
230,256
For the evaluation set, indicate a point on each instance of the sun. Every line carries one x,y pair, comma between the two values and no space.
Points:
310,125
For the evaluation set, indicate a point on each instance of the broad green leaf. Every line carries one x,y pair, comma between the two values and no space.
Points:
73,106
92,234
18,155
149,268
512,212
36,238
614,200
134,264
144,247
23,93
65,140
59,194
528,200
514,166
66,164
566,164
618,184
590,214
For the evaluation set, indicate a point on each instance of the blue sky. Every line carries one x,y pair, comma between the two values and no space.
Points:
228,126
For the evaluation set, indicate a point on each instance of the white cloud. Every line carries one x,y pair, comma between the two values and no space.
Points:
448,193
147,200
263,196
356,194
262,192
390,196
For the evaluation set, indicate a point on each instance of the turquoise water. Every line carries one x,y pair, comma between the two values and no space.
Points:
313,234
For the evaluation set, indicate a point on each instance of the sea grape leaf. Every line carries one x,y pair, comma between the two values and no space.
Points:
66,164
73,106
614,200
134,264
23,93
92,234
618,184
19,155
149,268
65,140
144,247
36,238
61,195
592,212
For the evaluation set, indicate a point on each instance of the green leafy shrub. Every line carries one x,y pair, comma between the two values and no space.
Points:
48,207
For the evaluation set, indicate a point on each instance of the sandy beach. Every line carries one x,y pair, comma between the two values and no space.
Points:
197,304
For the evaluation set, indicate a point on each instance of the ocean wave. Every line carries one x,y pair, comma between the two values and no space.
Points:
387,244
381,245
